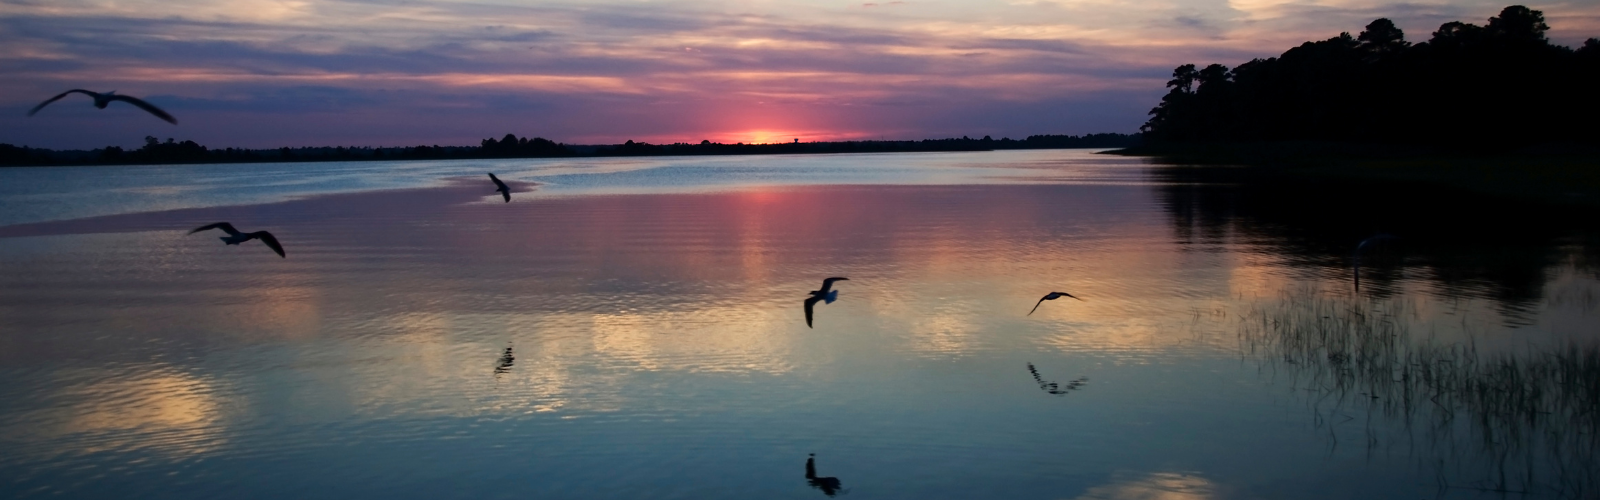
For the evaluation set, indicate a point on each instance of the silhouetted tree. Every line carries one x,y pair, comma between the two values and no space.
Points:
1503,85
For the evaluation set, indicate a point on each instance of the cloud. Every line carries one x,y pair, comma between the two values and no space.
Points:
612,71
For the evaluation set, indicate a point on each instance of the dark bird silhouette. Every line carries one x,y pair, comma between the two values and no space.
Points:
1355,257
235,237
1054,388
103,100
1051,296
503,365
826,294
829,485
503,189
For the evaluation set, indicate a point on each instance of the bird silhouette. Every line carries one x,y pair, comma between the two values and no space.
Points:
829,485
826,294
235,237
503,365
1355,257
103,100
1050,296
503,189
1054,388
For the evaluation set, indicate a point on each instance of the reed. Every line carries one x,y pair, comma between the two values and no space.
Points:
1506,421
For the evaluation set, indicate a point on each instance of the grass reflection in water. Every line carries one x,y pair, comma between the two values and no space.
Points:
1509,422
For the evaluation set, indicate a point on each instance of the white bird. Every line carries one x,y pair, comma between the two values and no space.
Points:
235,237
504,190
826,294
1050,296
103,100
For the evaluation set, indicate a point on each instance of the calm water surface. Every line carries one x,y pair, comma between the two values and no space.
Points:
632,328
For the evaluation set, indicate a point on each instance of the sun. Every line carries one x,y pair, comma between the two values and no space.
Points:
766,136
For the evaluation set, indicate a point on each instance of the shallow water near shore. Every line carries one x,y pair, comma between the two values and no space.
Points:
634,328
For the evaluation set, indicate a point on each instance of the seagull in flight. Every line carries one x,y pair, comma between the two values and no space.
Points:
826,294
235,237
505,191
103,100
1051,296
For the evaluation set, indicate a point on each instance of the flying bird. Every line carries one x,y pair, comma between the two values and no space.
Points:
235,237
1051,296
103,100
505,191
826,294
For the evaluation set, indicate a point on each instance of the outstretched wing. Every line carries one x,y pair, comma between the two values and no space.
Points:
505,191
810,304
267,238
828,284
146,106
1036,307
225,227
57,98
1065,294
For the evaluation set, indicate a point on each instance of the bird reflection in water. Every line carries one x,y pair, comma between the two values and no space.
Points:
503,365
1054,388
830,486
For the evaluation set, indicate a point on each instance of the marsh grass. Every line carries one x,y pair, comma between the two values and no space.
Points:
1510,422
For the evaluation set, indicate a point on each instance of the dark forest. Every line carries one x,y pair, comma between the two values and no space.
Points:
1495,87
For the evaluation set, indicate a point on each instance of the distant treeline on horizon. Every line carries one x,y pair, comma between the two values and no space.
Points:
1499,86
172,151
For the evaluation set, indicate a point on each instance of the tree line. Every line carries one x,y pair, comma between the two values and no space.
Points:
173,151
1503,85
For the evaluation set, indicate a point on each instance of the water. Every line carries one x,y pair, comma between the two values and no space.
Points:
633,328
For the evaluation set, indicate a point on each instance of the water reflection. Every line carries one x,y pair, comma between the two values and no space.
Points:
1465,245
503,365
1054,388
1517,422
830,486
1154,486
1355,257
650,324
155,409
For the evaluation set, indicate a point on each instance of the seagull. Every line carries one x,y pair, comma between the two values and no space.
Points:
505,191
1051,296
235,237
826,294
103,100
1355,257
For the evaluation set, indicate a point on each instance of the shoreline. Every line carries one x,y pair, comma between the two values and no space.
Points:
512,147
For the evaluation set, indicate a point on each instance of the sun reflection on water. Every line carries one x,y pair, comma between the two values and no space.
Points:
151,408
1153,486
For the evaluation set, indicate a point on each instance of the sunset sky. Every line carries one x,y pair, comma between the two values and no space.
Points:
270,73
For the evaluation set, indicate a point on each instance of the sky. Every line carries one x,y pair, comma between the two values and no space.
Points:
272,73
